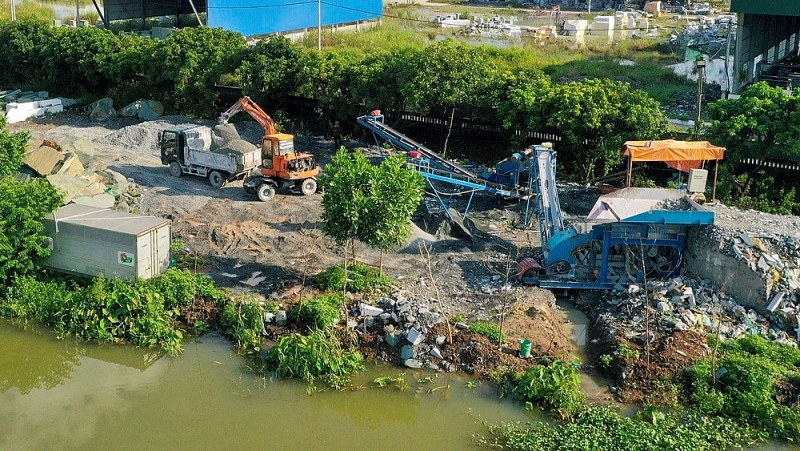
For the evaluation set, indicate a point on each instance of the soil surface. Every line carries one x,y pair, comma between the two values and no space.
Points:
272,250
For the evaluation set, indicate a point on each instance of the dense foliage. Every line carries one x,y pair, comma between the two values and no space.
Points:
318,313
753,381
488,330
318,355
360,278
243,322
603,429
370,203
760,124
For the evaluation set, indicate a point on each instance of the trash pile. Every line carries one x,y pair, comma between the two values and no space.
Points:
686,303
19,105
70,165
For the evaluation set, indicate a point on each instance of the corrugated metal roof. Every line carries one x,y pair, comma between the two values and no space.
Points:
767,7
127,223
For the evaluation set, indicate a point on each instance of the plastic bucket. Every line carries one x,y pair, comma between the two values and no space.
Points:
524,348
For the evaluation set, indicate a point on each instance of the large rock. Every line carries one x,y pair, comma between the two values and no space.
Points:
81,147
43,160
99,201
70,186
102,109
143,109
71,166
114,180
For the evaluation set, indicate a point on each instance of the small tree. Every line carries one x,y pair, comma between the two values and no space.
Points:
12,149
396,193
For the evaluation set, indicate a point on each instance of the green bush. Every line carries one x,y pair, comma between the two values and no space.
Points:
601,429
360,279
108,309
243,322
316,355
742,385
556,386
180,287
488,330
318,313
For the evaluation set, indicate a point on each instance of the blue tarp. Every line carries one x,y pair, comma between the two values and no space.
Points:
256,17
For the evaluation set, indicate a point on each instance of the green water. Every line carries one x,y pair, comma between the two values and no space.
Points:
60,394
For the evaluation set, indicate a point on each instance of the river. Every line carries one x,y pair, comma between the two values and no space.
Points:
62,394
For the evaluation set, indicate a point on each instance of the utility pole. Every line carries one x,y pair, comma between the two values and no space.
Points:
319,25
77,13
701,65
13,11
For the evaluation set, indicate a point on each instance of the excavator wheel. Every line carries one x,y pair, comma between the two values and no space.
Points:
308,187
265,193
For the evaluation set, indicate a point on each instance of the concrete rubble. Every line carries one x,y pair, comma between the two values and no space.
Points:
70,165
686,303
404,325
18,106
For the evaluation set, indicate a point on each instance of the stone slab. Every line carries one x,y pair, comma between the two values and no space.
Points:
43,160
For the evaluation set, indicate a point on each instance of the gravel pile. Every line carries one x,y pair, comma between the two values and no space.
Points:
235,146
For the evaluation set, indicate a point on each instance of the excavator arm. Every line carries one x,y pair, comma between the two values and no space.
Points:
255,111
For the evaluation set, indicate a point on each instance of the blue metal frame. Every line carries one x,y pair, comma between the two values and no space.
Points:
434,167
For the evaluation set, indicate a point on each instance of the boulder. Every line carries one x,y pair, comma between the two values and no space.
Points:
104,200
407,352
102,109
71,166
43,160
70,186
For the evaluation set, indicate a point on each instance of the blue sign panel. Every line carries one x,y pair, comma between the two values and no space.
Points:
254,17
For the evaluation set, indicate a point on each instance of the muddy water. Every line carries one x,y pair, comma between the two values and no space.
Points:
59,394
576,326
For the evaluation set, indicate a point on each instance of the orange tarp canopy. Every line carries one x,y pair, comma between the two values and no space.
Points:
681,155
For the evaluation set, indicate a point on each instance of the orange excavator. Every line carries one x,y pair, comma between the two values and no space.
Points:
281,167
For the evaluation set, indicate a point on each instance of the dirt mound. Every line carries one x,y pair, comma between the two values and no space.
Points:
223,134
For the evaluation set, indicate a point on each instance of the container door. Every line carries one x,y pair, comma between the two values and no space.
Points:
144,264
161,249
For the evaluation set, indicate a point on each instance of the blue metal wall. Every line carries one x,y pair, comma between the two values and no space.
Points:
253,17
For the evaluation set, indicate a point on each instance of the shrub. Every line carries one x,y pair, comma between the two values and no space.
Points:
316,355
601,429
180,287
318,313
742,385
556,386
360,278
243,322
488,330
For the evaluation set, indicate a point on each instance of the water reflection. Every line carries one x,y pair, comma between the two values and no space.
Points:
84,396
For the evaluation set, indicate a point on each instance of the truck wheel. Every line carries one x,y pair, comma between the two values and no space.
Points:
175,169
216,179
308,187
265,193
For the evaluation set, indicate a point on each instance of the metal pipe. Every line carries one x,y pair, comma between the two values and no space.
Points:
319,25
191,2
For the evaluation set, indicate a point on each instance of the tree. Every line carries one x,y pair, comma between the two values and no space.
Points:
396,194
273,69
347,183
370,203
595,117
764,122
522,101
12,149
186,65
446,75
22,205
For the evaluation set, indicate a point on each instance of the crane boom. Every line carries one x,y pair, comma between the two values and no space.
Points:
255,111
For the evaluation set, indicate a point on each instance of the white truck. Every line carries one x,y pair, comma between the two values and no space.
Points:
189,149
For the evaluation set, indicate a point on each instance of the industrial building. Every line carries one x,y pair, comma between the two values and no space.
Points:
250,17
768,39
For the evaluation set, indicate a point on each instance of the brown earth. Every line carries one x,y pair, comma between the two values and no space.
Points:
239,239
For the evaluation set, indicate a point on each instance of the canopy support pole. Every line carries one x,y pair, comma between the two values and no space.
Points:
630,169
714,188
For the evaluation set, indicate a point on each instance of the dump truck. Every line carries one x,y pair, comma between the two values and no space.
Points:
189,149
281,166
